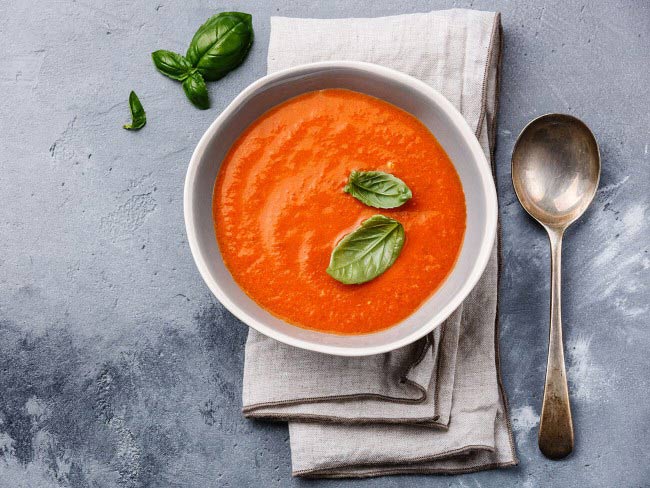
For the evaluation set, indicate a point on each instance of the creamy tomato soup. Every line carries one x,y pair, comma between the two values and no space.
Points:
279,210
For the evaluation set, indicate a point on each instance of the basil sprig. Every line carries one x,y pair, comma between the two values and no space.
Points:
138,115
218,47
368,251
378,189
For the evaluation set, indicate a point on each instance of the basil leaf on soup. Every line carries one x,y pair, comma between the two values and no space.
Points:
221,44
195,89
378,189
368,251
138,115
172,64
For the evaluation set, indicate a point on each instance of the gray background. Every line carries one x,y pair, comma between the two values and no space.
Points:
117,366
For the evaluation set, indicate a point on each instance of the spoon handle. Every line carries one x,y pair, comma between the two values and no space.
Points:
556,426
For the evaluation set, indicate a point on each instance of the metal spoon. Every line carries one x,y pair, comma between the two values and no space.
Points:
555,172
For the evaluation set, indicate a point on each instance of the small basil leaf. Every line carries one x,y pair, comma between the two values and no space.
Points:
221,44
138,116
196,91
171,64
368,251
378,189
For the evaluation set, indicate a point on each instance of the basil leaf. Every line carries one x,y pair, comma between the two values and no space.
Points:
368,251
195,89
171,64
378,189
221,44
138,116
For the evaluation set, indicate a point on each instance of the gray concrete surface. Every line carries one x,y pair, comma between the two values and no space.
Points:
117,366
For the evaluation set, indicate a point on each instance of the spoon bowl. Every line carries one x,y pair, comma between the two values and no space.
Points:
555,172
556,169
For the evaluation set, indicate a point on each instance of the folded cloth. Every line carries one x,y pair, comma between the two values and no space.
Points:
435,406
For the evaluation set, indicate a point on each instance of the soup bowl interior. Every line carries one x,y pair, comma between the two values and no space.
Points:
403,91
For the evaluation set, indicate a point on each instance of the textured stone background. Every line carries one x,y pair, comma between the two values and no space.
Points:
119,369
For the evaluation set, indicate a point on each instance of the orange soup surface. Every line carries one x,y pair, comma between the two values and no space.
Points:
279,210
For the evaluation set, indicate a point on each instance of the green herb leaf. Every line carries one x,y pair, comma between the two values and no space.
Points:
378,189
196,91
171,64
138,116
368,251
221,44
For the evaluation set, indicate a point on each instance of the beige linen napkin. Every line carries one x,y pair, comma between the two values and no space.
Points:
435,406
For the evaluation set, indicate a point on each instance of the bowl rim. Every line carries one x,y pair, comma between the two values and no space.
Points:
487,181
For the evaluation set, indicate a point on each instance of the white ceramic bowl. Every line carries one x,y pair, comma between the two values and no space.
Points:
412,95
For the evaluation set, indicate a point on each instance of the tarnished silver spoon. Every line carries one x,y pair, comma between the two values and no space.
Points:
555,172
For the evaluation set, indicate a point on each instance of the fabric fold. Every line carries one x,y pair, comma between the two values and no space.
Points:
435,406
